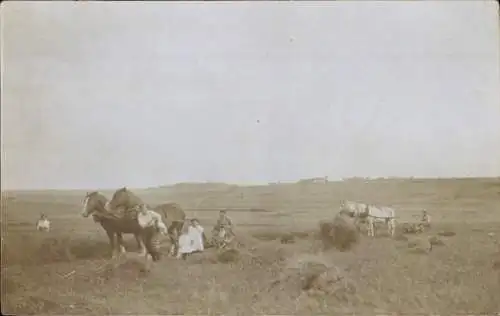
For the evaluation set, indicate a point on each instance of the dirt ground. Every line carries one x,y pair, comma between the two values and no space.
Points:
68,270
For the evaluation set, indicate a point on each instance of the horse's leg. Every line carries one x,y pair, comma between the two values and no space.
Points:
142,246
171,238
393,226
371,227
119,241
174,240
172,245
357,224
111,236
138,240
145,240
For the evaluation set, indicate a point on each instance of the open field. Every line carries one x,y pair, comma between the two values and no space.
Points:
384,275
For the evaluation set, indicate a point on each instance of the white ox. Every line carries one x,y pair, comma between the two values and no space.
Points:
372,214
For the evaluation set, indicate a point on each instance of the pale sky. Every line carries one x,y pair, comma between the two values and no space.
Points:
102,95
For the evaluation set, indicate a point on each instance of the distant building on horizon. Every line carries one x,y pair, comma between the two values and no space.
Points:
321,180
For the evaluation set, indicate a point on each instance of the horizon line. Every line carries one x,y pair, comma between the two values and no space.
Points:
248,184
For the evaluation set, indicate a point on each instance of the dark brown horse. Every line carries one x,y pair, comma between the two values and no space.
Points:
94,204
171,213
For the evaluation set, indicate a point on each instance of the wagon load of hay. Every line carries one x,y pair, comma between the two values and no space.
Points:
341,233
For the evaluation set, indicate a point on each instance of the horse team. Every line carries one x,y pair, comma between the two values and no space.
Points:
126,213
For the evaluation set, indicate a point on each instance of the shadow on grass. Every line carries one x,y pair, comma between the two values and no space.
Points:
271,235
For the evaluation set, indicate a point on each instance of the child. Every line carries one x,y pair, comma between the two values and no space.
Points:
426,219
43,223
185,241
196,232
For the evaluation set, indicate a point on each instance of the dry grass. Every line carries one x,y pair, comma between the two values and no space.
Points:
67,271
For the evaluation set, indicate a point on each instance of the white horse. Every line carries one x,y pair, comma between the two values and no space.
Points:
372,214
353,209
381,214
43,224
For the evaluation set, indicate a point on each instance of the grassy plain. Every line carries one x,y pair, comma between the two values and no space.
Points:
68,271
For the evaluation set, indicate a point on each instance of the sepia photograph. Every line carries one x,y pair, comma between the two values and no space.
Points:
250,157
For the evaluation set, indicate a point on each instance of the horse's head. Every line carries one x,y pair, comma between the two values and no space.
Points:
346,208
342,205
93,202
123,198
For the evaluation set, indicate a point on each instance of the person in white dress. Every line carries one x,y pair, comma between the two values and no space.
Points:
196,232
43,224
185,241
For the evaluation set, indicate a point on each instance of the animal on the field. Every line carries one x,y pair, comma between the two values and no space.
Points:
172,213
382,214
175,216
371,214
351,208
43,224
114,225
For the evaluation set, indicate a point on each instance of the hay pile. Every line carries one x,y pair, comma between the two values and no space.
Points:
341,233
436,241
129,266
412,228
287,239
446,233
496,261
228,256
420,245
246,241
496,264
400,237
312,275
